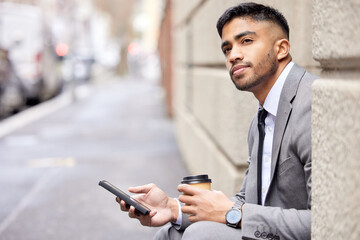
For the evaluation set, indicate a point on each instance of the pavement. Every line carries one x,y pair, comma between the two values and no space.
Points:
54,155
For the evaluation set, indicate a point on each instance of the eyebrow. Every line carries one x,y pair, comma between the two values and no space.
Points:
238,36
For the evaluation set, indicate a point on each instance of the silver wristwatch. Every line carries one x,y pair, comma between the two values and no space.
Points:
234,216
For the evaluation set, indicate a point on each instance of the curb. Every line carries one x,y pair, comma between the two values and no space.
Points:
41,110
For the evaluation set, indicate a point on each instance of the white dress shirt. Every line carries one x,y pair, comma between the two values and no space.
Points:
271,105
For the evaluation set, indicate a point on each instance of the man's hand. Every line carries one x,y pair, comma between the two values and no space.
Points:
204,205
163,208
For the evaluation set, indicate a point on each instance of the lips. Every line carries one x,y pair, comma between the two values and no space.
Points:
238,69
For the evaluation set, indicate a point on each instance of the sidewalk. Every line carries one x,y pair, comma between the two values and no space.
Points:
51,165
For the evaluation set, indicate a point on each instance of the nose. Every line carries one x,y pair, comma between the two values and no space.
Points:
235,55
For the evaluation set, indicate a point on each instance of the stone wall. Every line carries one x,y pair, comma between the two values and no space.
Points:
335,121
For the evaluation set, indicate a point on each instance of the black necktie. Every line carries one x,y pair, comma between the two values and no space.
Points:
261,126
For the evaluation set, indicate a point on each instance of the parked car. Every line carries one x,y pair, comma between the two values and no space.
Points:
23,34
11,89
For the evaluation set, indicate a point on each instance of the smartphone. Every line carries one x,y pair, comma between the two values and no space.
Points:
141,208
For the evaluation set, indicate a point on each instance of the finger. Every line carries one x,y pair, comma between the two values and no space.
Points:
187,199
188,189
124,206
152,213
142,189
119,200
132,213
188,209
145,220
193,218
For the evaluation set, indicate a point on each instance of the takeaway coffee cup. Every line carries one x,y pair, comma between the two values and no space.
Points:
200,181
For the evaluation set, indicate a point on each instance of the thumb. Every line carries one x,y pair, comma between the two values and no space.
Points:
153,213
142,189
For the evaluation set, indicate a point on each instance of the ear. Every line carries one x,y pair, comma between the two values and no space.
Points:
282,48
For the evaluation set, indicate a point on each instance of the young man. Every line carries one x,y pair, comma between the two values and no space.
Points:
275,199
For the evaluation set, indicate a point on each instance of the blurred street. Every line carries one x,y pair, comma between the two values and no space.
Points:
50,167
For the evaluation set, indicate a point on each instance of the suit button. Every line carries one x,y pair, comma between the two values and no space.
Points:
270,236
257,234
263,235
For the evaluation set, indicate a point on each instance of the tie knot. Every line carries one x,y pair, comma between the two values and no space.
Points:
262,115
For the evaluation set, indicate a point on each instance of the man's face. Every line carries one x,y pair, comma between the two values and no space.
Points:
248,46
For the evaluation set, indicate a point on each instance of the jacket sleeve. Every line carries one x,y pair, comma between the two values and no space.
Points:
285,223
184,222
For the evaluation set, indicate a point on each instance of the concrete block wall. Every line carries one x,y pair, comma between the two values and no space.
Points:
335,121
336,155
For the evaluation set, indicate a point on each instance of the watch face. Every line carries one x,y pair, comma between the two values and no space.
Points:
233,216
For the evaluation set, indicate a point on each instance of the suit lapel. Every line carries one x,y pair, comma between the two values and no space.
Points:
284,111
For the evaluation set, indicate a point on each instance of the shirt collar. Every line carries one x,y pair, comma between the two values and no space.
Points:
272,99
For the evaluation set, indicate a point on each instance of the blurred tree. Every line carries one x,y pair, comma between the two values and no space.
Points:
121,12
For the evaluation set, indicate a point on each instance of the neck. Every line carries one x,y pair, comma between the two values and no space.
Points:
263,90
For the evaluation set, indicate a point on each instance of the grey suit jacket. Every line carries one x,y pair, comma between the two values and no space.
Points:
286,213
288,202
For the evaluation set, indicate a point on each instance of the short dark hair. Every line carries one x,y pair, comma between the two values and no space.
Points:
255,11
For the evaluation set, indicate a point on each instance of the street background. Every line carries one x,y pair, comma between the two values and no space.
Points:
80,101
50,168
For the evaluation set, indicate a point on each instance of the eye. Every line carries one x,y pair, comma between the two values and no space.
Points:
226,50
246,41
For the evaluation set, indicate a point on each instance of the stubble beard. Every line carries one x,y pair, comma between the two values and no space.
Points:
269,63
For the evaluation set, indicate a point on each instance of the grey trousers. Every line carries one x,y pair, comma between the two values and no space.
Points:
199,231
